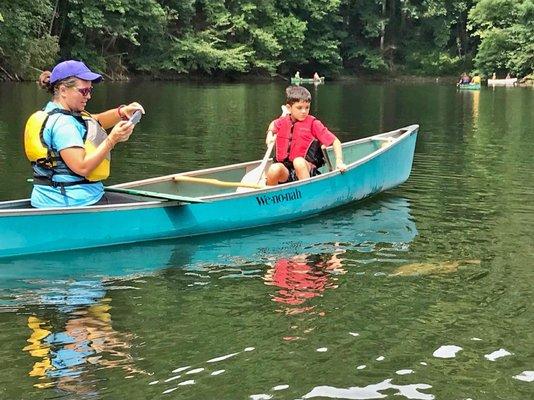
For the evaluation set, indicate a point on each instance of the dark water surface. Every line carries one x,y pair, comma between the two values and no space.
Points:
424,292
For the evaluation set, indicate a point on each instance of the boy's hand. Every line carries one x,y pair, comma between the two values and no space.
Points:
271,137
341,166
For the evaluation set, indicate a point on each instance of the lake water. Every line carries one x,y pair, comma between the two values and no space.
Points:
423,292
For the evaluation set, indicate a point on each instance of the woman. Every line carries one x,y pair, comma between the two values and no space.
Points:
68,147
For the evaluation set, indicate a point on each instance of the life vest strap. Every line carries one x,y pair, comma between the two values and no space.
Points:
45,181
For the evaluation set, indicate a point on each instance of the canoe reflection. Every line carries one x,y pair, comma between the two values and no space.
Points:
361,227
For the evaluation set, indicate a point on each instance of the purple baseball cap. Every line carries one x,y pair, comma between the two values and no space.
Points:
74,68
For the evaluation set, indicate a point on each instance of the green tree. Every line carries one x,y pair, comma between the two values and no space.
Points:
26,42
505,29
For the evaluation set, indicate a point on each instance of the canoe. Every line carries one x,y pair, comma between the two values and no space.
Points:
502,82
298,81
469,86
206,201
358,228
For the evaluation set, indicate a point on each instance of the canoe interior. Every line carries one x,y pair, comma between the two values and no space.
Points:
352,152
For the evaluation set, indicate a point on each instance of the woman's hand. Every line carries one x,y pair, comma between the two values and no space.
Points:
129,109
121,132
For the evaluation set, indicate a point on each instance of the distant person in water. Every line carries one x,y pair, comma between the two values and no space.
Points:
316,77
69,148
297,75
475,79
298,138
464,79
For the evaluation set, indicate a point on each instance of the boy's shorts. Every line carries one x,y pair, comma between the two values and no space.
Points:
293,175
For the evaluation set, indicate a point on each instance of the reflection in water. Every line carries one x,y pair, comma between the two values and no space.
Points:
383,220
302,277
71,334
87,338
436,268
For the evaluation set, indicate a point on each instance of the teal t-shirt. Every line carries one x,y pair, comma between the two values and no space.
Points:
61,132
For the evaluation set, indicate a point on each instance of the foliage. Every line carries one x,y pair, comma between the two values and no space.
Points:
506,29
228,37
26,45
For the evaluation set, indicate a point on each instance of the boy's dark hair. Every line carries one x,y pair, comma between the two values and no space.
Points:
295,94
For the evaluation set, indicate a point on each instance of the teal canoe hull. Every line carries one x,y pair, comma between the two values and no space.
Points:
386,220
29,231
298,81
469,86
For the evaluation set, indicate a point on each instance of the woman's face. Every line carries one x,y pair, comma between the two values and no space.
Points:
75,98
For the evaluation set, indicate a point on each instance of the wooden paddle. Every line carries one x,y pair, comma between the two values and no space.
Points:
254,176
215,182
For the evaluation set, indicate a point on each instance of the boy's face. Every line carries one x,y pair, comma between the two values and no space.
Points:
299,110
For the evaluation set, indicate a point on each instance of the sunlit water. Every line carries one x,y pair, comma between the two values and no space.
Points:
424,292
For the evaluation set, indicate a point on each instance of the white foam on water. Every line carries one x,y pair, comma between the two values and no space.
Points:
322,349
404,371
153,382
423,363
221,358
381,358
280,387
525,376
249,348
194,371
361,366
174,371
261,396
476,339
497,354
448,351
170,390
172,378
371,391
218,372
354,334
189,382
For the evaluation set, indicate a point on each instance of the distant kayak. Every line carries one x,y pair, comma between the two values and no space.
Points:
306,80
502,82
469,86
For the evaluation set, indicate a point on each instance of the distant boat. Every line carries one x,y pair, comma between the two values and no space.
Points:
502,82
206,201
468,86
298,81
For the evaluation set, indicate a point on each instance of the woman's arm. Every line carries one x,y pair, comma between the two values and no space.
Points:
83,164
110,118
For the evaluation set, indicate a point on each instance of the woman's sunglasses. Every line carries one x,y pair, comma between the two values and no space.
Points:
85,91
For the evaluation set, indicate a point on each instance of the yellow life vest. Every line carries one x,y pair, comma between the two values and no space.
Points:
38,152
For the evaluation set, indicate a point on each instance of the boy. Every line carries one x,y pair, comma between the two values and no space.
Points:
298,137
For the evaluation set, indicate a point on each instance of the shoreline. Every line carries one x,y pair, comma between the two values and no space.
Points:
527,81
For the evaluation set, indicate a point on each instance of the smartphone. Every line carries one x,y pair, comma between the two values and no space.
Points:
136,117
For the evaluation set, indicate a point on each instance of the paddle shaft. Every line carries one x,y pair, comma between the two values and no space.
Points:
155,195
263,163
215,182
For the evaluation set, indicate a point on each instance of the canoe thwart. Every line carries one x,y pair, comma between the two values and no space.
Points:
216,182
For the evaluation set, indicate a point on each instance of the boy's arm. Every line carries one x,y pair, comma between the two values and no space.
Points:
339,155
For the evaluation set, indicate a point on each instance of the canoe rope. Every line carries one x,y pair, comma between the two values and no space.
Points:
216,182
